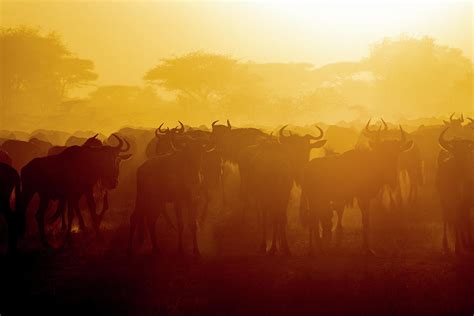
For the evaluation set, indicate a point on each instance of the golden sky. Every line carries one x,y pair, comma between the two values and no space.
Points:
126,38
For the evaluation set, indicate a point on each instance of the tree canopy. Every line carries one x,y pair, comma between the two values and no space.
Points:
37,73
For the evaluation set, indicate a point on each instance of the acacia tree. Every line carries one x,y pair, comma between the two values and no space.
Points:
37,72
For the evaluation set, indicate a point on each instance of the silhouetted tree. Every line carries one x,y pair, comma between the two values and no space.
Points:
37,71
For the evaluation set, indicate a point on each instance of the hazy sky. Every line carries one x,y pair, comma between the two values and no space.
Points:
126,38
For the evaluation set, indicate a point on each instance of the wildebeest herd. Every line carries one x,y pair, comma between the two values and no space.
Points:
180,166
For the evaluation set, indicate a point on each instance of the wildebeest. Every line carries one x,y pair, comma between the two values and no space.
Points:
455,184
169,178
68,176
60,212
270,168
22,152
360,173
9,183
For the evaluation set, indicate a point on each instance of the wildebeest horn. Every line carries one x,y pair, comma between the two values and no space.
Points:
158,130
385,127
280,133
367,129
95,136
128,146
321,134
462,118
181,129
120,144
228,124
451,117
471,119
446,145
214,123
370,134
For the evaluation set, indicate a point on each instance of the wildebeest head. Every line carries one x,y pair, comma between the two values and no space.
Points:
220,132
299,148
192,149
163,138
107,161
388,152
455,123
459,149
93,142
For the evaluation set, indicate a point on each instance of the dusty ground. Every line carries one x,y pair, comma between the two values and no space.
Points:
409,275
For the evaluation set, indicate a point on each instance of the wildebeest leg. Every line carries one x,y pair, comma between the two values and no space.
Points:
445,236
310,230
285,249
276,234
179,221
133,226
364,205
61,205
151,223
92,209
72,204
27,196
340,213
193,227
82,225
43,206
263,242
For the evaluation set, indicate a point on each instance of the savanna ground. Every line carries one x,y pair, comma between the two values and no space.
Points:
408,275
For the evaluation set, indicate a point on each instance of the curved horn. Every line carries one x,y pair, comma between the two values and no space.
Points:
214,123
120,144
462,118
367,129
471,119
95,136
228,124
321,134
128,146
451,117
158,130
385,127
280,132
445,144
181,129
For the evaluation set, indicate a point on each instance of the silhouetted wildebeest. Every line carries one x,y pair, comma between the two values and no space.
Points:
360,173
169,178
270,168
231,141
60,212
23,152
9,182
161,143
455,184
69,175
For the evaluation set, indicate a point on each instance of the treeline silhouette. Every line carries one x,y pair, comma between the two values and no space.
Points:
41,78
